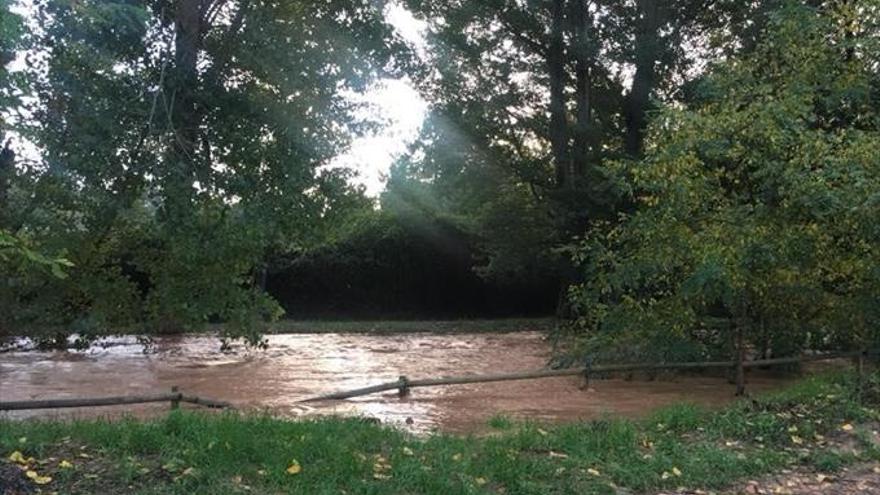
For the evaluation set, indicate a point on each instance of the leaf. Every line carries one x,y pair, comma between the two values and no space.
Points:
65,464
797,440
407,451
294,467
456,457
847,427
36,478
676,471
17,457
594,472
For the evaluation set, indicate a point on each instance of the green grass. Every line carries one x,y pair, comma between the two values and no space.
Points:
414,326
195,453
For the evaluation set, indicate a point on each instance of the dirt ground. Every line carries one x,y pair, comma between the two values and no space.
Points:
858,479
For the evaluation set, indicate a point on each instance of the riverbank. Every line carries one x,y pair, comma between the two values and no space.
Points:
819,424
383,327
48,338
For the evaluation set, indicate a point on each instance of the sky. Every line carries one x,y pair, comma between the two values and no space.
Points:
398,102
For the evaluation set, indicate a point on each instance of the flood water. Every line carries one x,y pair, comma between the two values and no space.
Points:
298,366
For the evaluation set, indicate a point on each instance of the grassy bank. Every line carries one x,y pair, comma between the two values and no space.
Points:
820,423
499,325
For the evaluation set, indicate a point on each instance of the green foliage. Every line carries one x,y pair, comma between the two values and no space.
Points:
755,207
179,154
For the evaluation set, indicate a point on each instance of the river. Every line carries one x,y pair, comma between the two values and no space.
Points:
297,366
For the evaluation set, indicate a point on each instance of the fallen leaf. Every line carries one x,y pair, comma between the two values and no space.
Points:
792,429
665,475
594,472
36,478
22,440
542,432
236,479
847,427
65,464
559,455
456,457
480,481
821,477
294,467
187,472
676,471
797,440
407,451
17,457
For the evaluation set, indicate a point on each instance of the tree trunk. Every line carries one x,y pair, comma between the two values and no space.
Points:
581,23
556,69
7,164
647,52
185,118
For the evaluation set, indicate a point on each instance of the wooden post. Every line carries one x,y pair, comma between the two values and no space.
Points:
175,398
860,370
403,389
740,359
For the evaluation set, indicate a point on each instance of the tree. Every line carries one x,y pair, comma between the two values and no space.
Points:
182,143
528,98
754,222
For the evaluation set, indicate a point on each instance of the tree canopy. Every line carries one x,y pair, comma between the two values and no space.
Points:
755,206
681,177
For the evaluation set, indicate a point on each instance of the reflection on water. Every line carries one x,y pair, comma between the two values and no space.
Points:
298,366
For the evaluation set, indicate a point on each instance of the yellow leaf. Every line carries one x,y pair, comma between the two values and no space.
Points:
542,432
36,478
188,471
594,472
665,475
797,440
456,457
407,451
65,464
847,427
294,467
17,457
22,440
792,429
676,471
480,481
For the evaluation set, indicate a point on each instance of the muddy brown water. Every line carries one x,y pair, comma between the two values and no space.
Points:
298,366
